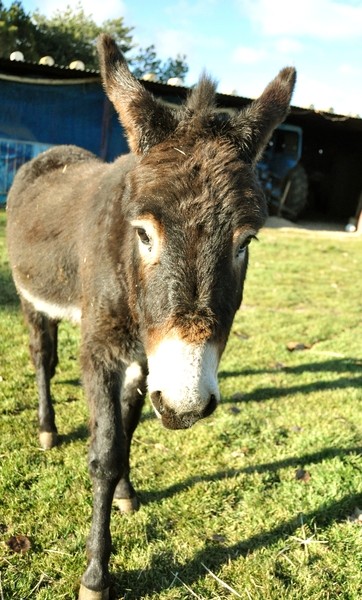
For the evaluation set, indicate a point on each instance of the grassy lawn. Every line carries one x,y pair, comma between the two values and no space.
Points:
255,502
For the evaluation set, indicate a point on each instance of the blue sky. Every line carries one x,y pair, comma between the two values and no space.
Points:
244,43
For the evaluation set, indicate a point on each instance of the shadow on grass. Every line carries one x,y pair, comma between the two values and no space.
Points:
74,382
153,580
273,393
294,461
336,365
80,433
8,294
342,366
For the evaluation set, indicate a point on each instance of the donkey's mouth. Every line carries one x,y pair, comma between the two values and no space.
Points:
173,420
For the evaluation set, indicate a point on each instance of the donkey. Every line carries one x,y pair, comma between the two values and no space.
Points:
149,254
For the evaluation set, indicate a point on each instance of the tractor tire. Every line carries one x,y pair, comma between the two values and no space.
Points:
297,194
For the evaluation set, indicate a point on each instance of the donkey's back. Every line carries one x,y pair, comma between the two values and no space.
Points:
55,203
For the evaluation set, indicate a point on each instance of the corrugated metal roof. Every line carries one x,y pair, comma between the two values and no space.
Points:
176,94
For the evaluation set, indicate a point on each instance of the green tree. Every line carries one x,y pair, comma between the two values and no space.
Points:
17,31
71,35
174,67
146,61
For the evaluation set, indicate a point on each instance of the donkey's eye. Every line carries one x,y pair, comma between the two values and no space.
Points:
147,232
244,244
144,238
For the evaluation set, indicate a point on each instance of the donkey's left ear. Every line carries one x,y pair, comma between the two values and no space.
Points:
147,122
256,123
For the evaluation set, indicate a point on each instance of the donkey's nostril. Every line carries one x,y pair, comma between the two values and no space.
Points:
211,406
156,398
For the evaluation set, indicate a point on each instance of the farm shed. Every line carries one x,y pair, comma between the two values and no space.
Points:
43,106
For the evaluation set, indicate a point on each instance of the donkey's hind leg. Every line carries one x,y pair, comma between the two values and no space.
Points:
132,400
43,351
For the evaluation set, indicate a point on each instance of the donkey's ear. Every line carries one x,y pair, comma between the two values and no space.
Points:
147,122
256,123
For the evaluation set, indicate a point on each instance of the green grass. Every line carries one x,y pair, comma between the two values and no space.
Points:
221,504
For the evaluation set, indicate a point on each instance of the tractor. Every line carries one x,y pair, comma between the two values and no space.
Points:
281,174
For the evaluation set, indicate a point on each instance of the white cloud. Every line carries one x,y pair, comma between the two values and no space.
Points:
288,46
349,70
182,10
100,11
325,95
247,55
170,42
320,19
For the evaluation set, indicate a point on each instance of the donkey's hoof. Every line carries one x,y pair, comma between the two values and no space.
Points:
87,594
48,439
127,505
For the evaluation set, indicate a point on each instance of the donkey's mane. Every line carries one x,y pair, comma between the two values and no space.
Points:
202,96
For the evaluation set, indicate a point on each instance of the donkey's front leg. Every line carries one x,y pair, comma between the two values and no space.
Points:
106,465
132,400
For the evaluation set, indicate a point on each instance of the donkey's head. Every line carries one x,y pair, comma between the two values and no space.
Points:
193,205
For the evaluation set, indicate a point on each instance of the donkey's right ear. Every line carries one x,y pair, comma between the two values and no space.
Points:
147,122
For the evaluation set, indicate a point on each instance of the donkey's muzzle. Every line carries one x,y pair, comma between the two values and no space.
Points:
173,420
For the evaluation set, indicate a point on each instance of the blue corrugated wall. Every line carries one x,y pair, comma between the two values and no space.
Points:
59,113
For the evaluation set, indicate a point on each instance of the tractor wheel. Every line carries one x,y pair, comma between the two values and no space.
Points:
295,193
